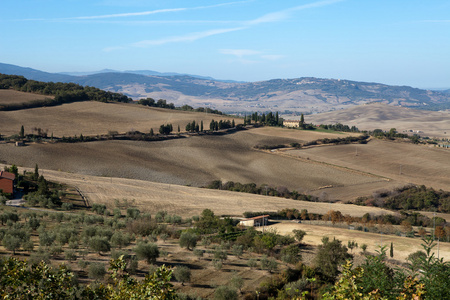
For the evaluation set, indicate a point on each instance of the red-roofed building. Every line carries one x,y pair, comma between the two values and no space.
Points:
7,182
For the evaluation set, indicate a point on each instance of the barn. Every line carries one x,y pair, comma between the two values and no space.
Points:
255,221
7,182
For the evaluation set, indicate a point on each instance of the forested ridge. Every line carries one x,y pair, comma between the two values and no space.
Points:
62,92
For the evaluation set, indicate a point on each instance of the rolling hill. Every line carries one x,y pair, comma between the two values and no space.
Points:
385,117
306,94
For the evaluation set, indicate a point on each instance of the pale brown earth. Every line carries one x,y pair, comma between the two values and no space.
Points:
188,201
402,163
193,161
16,97
383,116
403,246
93,118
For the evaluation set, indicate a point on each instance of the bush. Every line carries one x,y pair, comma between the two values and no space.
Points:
147,251
225,293
182,274
96,271
67,206
252,263
188,240
217,264
99,244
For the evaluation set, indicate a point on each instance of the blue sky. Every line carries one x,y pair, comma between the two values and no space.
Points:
400,42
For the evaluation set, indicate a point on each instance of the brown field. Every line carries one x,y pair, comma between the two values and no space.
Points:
418,164
92,118
16,97
190,161
403,246
188,201
385,117
331,172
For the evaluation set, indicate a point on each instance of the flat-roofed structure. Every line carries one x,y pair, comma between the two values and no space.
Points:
255,221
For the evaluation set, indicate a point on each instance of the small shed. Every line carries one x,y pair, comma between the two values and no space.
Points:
255,221
7,182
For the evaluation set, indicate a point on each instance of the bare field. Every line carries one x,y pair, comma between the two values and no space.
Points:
189,161
385,117
16,97
402,163
188,201
403,246
92,118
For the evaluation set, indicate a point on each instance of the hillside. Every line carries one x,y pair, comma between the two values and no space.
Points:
385,117
304,94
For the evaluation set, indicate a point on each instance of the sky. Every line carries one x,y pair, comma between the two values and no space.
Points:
398,42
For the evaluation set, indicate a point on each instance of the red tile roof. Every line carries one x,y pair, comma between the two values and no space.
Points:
255,218
7,175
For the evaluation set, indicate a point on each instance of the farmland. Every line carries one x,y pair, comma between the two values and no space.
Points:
15,97
166,176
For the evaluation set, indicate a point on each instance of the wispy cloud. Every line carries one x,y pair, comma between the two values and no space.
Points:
239,52
190,37
242,54
285,14
137,14
184,38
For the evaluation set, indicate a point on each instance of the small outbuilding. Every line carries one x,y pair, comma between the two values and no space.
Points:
7,182
255,221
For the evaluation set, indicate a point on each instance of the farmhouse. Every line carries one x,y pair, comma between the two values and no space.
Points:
255,221
7,182
291,123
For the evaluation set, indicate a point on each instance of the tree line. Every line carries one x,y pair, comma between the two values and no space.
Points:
62,92
409,197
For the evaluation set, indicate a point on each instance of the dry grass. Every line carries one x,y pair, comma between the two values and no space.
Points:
385,117
418,164
92,118
15,97
188,201
403,246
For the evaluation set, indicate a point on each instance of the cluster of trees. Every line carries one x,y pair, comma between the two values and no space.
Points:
200,109
20,279
264,189
163,104
219,125
409,197
165,129
62,92
194,127
160,103
269,119
339,127
362,139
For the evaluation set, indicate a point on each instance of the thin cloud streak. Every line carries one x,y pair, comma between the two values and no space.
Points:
268,18
191,37
285,14
143,13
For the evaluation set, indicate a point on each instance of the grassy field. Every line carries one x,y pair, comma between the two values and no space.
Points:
16,97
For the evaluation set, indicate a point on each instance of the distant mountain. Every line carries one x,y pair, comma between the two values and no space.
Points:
139,72
33,74
306,94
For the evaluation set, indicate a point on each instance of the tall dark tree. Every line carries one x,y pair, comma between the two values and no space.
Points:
22,132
